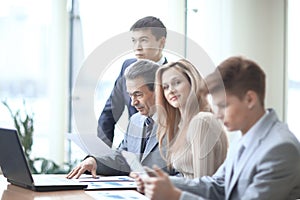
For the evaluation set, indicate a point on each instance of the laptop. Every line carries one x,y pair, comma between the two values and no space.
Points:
15,167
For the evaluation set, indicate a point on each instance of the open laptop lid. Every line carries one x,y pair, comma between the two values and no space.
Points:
15,167
12,159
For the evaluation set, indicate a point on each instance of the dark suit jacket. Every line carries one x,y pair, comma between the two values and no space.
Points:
115,105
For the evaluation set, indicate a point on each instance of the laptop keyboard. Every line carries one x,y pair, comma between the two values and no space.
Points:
44,179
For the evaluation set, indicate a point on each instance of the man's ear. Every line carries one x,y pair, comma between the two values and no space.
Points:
251,99
162,42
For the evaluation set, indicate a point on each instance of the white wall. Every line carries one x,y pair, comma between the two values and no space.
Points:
253,28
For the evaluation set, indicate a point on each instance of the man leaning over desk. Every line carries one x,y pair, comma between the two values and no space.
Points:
140,78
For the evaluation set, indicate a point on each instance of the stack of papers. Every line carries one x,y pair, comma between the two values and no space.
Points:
113,195
108,182
89,178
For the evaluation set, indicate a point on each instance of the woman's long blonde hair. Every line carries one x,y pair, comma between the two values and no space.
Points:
170,117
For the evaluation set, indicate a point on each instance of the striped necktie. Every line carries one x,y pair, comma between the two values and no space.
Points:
148,126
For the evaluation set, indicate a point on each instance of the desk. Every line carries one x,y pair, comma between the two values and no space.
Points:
12,192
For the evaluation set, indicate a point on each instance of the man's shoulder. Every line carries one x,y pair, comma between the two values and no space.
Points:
126,64
129,61
279,131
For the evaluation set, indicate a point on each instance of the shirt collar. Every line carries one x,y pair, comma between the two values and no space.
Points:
246,140
154,117
161,61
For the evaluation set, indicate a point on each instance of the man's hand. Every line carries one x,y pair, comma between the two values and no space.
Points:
88,164
160,187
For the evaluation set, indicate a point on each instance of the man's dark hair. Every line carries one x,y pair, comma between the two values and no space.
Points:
238,75
156,26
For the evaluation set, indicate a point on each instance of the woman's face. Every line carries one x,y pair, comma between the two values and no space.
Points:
176,87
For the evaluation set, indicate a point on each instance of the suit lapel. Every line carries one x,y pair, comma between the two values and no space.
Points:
165,61
229,167
241,164
264,129
135,133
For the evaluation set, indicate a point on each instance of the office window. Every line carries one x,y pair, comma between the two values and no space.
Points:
32,68
293,63
100,22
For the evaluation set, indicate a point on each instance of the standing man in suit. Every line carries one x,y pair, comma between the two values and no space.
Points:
148,38
139,138
265,162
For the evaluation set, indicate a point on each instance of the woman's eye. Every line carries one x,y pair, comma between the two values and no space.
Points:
176,82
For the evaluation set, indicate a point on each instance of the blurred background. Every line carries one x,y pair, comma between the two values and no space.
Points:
43,44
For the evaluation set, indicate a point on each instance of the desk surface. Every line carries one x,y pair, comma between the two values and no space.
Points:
12,192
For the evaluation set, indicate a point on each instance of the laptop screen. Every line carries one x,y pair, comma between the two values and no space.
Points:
12,159
15,167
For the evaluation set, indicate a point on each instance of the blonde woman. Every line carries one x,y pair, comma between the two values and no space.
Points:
196,141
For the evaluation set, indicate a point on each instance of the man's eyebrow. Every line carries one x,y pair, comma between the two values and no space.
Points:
135,92
143,37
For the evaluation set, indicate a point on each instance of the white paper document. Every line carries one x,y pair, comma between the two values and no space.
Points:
107,182
89,178
134,163
108,185
90,144
114,194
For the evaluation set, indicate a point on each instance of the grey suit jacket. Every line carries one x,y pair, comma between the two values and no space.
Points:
268,169
115,164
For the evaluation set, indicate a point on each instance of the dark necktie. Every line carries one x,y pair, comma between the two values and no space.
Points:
148,126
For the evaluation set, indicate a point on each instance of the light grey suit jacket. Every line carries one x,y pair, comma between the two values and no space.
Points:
268,169
115,164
